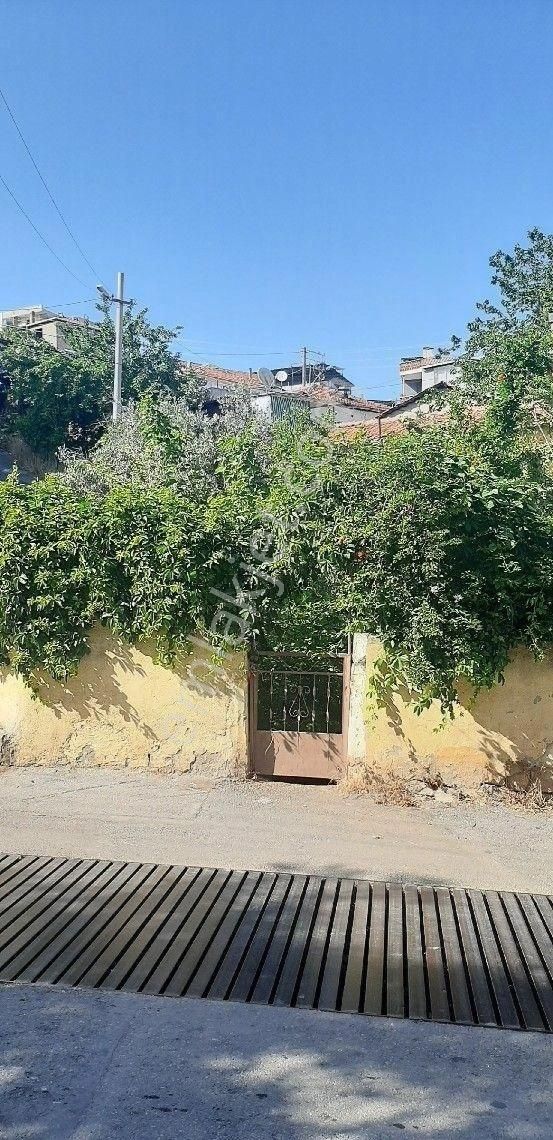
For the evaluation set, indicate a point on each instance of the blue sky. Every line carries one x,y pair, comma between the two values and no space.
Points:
273,173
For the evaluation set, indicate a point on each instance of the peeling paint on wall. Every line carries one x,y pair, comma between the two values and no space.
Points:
123,709
501,737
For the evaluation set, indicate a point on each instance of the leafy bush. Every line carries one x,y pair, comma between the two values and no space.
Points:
435,542
51,399
439,541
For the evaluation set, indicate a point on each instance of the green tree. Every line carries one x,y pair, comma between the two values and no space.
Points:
507,358
52,399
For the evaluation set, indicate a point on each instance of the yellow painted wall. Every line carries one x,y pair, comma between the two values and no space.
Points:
123,709
506,734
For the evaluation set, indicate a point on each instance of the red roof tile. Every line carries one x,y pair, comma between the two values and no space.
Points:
331,396
214,374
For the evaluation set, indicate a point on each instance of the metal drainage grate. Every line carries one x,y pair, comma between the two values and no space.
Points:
477,958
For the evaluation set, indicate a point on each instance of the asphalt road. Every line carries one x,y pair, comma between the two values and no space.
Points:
81,1065
85,1065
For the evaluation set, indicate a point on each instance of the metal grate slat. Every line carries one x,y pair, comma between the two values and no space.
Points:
376,955
258,948
208,893
230,964
455,963
416,985
81,935
353,981
270,971
473,957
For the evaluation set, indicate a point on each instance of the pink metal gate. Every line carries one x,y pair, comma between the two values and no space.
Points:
298,715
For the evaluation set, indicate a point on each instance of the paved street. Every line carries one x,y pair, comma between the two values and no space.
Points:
89,1065
76,1065
102,814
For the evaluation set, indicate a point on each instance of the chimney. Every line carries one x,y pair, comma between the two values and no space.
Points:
428,353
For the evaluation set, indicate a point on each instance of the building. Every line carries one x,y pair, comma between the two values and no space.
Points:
42,323
320,375
330,395
418,373
345,408
419,404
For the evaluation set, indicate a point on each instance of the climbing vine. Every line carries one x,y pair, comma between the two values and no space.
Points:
439,541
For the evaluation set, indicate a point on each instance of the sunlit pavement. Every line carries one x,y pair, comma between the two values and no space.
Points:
77,1065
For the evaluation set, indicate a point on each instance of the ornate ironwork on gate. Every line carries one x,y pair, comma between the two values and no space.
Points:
297,714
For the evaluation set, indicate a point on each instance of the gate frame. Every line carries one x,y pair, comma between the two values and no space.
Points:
252,704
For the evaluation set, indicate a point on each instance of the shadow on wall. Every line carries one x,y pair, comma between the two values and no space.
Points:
516,723
125,708
503,736
97,686
112,669
207,675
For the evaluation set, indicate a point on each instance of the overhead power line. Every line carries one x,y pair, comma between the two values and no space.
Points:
47,188
69,304
38,233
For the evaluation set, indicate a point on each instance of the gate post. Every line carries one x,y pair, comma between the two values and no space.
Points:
357,749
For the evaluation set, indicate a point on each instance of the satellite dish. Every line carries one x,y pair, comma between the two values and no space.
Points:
265,377
281,376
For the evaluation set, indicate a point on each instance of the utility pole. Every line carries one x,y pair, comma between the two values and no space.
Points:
304,368
118,370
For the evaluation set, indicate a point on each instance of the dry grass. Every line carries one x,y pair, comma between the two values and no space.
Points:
384,788
534,799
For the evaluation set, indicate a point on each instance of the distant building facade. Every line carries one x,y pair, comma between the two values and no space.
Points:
418,373
329,393
42,323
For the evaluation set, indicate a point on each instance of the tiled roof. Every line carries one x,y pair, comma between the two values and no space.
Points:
410,362
377,430
374,430
441,386
330,396
214,374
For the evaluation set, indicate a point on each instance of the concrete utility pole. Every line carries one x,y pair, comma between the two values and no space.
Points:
118,370
304,368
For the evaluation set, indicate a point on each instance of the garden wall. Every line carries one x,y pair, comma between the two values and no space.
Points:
123,709
504,736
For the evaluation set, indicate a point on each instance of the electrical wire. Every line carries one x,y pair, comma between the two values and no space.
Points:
68,304
46,186
38,233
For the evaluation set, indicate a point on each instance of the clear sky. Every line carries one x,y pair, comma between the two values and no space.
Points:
273,173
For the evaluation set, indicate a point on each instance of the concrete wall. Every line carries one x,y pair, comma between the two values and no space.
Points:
123,709
504,736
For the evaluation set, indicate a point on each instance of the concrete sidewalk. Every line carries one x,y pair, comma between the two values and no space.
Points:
97,813
82,1065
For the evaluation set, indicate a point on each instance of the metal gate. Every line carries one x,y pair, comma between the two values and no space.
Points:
298,715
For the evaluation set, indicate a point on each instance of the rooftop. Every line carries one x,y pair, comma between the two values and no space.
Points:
442,385
325,395
215,375
412,363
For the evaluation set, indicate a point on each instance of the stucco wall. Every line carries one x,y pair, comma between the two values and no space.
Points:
505,735
123,709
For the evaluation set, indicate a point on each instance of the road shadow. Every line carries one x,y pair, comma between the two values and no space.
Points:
80,1065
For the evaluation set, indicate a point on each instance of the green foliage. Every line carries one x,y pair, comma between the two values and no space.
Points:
439,542
506,359
50,398
430,542
47,574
